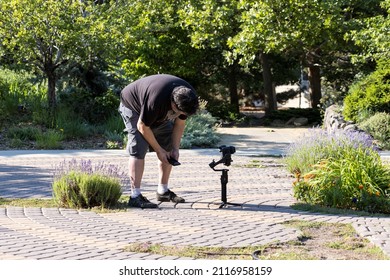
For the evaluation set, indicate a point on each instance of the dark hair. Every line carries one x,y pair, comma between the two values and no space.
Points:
185,100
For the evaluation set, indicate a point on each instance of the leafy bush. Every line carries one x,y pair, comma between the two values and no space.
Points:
371,94
19,94
379,127
358,180
340,169
50,139
72,127
83,185
23,133
200,131
114,124
93,109
318,144
224,111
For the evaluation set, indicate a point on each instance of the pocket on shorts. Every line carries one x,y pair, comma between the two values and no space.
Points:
125,113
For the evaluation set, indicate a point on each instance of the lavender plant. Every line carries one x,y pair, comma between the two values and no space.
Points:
319,144
340,169
80,184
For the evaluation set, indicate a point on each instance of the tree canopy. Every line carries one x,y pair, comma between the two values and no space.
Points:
229,43
46,34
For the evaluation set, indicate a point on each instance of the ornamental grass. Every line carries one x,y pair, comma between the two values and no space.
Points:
341,169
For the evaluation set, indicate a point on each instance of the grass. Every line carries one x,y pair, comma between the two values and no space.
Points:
262,163
27,202
333,211
50,203
318,240
254,164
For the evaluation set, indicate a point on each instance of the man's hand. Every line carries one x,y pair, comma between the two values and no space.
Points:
174,154
163,155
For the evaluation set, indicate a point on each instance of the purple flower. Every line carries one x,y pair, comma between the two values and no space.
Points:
86,167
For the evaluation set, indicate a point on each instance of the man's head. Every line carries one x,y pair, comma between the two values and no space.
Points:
185,100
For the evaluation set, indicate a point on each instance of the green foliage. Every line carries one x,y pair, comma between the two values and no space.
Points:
81,190
318,144
223,111
277,26
16,143
154,41
358,180
28,133
50,139
339,170
114,140
18,93
114,124
372,94
379,127
372,35
21,136
72,126
45,35
84,185
89,107
200,131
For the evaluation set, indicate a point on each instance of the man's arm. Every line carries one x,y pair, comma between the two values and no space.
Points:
177,133
178,130
149,137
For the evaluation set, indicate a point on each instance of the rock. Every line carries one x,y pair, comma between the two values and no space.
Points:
301,121
290,121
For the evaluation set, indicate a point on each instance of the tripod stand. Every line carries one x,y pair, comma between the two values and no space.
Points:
226,159
224,181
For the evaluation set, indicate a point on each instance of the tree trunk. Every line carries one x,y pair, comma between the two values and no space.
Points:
315,85
234,101
270,98
51,96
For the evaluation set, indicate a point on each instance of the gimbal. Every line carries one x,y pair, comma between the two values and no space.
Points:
226,160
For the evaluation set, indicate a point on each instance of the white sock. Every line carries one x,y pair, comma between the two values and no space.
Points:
162,188
135,192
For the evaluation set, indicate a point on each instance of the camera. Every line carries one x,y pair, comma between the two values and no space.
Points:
227,150
226,159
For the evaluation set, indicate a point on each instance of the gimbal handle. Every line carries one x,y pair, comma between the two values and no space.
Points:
222,160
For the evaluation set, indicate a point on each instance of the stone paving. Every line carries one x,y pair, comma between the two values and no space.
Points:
264,195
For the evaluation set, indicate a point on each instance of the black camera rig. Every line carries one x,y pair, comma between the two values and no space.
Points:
226,160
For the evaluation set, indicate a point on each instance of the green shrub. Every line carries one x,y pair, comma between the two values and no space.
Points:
371,94
225,111
200,131
340,169
18,88
82,185
23,133
16,143
87,106
379,127
358,181
49,139
114,123
72,127
114,140
318,144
